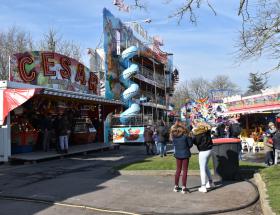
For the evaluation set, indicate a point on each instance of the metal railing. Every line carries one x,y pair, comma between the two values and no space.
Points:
159,99
147,73
136,120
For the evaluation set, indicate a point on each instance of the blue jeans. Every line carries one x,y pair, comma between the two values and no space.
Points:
157,148
162,148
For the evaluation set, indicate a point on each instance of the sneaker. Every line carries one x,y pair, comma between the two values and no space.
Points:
202,189
176,189
210,185
185,190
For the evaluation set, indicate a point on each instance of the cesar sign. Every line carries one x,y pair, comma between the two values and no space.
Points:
52,70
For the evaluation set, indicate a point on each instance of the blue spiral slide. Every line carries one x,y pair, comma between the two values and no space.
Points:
131,87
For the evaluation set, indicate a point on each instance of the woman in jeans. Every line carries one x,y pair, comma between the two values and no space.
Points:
182,145
202,139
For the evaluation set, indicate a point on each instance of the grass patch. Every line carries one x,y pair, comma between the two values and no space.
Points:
169,163
159,163
271,177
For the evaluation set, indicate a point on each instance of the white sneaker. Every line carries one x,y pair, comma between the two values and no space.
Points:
202,189
185,190
210,185
176,189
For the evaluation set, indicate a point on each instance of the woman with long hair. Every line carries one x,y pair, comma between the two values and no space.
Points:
202,139
182,145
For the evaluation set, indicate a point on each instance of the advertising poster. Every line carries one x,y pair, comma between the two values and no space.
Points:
128,135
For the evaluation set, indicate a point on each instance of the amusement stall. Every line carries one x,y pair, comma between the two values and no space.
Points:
43,86
256,110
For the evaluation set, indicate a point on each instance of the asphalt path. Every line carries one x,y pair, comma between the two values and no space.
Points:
86,184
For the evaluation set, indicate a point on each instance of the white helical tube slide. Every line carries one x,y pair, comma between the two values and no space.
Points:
131,87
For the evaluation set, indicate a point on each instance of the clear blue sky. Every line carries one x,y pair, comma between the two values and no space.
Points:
204,50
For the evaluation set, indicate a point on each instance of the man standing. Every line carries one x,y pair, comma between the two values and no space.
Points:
276,144
163,135
46,131
148,136
63,129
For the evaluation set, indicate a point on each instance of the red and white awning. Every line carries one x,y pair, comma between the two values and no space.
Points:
254,109
12,98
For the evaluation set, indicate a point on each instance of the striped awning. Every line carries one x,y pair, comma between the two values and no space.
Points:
254,110
75,95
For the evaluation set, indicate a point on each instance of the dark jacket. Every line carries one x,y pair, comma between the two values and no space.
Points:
276,140
182,143
182,147
63,126
234,130
202,138
148,135
162,133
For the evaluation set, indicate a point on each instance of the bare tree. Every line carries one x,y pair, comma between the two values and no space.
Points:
199,88
260,32
52,41
181,93
12,41
223,82
189,7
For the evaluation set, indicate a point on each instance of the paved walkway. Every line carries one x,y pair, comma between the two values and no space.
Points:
89,181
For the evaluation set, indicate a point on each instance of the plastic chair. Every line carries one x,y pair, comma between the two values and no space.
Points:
252,145
244,146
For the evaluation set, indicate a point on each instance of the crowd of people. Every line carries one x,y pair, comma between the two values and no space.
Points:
201,135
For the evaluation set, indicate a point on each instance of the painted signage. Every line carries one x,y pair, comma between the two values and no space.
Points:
128,135
52,70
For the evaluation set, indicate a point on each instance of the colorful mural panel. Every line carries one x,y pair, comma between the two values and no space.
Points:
128,135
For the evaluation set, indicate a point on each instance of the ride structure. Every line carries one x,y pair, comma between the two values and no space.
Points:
131,87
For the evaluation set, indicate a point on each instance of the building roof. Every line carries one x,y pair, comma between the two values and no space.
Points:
58,92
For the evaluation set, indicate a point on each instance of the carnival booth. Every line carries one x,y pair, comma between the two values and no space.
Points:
45,85
256,111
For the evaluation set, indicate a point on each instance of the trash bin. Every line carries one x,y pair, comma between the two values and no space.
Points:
225,157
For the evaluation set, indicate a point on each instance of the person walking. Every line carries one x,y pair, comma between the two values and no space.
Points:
148,137
182,144
202,139
162,133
